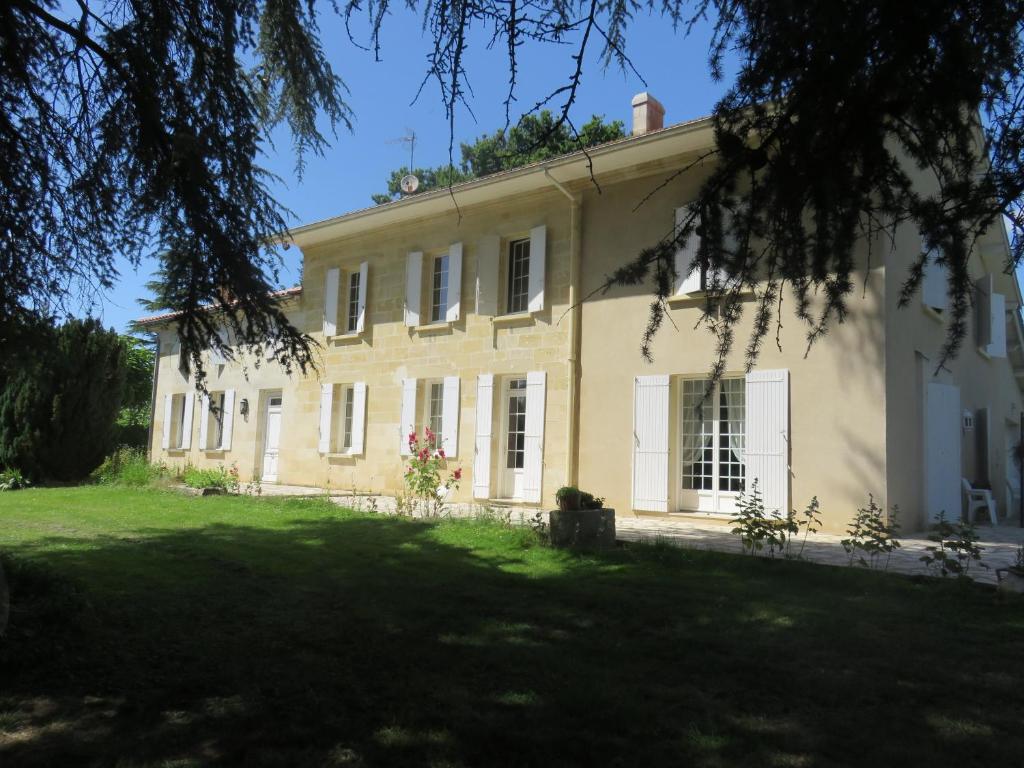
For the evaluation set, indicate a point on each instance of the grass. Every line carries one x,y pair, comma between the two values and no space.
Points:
152,629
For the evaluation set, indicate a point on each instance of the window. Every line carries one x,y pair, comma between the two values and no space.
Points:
433,410
215,425
352,315
515,446
346,412
712,436
518,298
439,290
180,421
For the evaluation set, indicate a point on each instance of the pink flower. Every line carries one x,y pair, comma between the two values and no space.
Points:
457,474
424,455
440,452
429,433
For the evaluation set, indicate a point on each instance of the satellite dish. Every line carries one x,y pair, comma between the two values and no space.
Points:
409,184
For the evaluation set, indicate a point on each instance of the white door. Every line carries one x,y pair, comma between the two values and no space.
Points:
514,438
272,440
943,489
712,435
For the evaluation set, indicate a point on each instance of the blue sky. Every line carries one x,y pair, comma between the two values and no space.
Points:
358,163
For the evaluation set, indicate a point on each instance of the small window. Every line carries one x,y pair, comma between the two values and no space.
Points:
518,298
348,408
439,290
432,409
352,315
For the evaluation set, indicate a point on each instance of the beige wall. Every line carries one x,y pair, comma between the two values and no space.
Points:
388,351
837,395
855,399
913,354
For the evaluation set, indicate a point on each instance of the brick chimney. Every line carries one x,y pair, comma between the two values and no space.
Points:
648,114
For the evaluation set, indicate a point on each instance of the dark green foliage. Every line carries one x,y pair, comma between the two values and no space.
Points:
13,480
955,549
133,127
534,138
129,466
871,535
59,401
138,387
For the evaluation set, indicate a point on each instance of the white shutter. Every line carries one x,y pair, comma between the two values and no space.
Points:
454,283
983,311
538,259
766,454
186,426
933,282
997,310
326,408
413,277
482,450
364,274
685,257
165,440
943,470
650,443
358,416
450,416
229,419
533,458
487,260
408,423
331,302
204,420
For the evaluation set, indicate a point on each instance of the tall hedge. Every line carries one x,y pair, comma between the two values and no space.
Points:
59,399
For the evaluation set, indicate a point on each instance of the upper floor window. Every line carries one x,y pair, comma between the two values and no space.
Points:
518,295
352,320
439,289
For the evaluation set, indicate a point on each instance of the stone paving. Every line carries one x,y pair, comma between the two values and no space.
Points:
999,544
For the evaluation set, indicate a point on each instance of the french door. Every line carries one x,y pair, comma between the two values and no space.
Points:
712,436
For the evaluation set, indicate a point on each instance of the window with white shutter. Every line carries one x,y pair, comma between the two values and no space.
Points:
450,416
650,443
488,261
413,283
331,280
712,442
482,443
229,419
342,418
538,264
687,282
990,317
211,421
933,281
454,304
766,451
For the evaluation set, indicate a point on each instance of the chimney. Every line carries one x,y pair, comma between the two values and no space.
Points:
648,114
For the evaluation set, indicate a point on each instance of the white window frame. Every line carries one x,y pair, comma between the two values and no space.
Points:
713,501
353,287
215,420
428,417
505,486
439,271
524,295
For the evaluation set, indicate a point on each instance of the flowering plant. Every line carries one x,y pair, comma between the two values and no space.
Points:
423,476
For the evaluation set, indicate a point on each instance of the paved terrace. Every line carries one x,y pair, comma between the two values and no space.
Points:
999,544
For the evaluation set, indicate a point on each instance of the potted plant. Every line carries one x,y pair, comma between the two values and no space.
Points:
1012,579
567,497
581,520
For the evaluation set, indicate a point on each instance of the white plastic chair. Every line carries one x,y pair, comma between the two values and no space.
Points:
979,498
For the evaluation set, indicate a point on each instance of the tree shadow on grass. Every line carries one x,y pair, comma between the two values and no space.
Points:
357,640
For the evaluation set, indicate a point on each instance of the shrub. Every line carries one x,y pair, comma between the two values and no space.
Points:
871,534
128,466
955,548
578,499
756,528
423,476
219,477
12,480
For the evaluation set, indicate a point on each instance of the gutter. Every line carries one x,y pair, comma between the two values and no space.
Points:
573,361
152,399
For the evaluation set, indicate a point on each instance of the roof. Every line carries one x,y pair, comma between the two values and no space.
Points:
284,293
616,155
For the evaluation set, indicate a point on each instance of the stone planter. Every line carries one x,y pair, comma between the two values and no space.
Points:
188,491
1010,580
582,528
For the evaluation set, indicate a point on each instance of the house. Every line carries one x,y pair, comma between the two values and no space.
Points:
465,319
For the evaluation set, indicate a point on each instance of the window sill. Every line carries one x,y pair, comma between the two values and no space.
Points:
513,318
700,297
213,450
984,353
441,326
346,338
933,313
342,455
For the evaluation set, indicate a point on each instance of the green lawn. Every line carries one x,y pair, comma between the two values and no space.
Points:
152,629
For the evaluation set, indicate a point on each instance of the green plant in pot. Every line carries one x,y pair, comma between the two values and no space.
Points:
568,497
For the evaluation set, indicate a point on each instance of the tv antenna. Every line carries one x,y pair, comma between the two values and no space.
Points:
409,182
